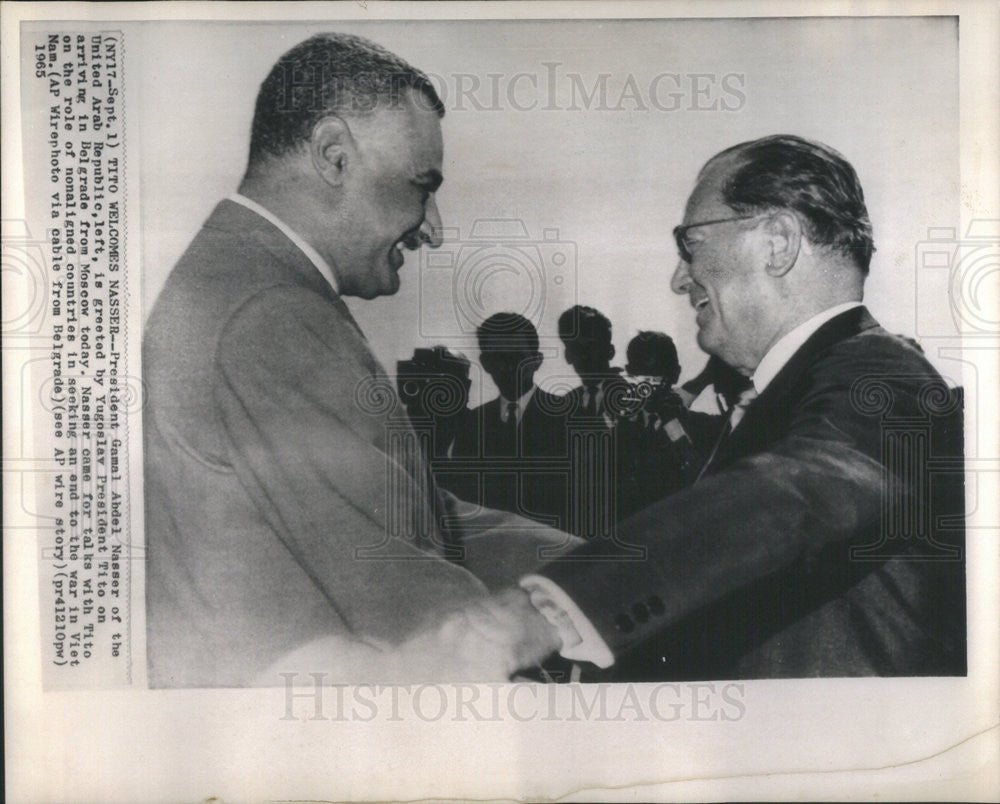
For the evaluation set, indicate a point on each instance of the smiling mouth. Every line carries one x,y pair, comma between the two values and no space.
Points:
396,254
408,242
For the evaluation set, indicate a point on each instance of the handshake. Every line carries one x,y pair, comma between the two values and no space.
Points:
486,640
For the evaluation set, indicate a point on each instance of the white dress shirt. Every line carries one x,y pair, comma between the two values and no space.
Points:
580,639
789,343
314,256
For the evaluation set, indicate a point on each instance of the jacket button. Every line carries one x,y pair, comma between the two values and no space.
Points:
640,612
624,623
656,605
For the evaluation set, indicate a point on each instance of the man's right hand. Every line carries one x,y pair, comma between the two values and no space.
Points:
487,640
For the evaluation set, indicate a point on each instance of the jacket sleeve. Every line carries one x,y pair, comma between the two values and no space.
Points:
779,513
307,431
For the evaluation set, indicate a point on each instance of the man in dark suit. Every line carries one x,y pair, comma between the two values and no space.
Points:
518,439
586,337
656,453
434,388
817,542
286,499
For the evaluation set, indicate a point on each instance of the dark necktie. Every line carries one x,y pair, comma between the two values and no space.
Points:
512,414
735,416
507,435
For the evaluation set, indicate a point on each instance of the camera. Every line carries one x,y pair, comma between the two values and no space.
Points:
627,396
498,266
434,383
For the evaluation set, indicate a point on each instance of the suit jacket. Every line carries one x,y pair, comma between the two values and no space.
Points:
284,500
819,542
612,387
524,468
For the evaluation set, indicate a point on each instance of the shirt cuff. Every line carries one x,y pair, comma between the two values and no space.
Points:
580,640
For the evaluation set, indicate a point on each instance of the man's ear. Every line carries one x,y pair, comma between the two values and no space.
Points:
784,238
332,149
535,361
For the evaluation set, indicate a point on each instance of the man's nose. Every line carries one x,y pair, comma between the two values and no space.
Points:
680,282
430,229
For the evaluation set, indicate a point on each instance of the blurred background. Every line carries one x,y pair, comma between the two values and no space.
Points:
570,149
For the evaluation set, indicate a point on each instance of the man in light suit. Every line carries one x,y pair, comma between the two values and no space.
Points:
517,439
817,542
285,502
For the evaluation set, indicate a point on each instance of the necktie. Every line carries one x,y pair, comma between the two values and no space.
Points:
507,444
735,416
740,408
512,414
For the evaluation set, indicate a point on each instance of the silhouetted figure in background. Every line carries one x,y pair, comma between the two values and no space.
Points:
518,439
726,382
586,337
655,454
434,388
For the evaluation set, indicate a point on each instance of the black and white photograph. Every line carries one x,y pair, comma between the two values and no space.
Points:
596,399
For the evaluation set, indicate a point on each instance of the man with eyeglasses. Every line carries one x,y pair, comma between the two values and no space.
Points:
814,543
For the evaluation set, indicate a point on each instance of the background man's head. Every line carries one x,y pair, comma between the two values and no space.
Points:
346,148
434,383
775,231
586,336
653,355
508,345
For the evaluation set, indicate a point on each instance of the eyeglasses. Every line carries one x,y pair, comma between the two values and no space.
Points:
680,232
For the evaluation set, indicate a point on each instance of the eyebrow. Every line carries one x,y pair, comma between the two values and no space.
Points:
431,178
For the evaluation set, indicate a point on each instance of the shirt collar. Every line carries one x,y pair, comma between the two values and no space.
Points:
787,345
314,256
522,403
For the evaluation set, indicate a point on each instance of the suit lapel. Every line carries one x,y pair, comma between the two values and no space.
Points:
767,411
531,410
491,429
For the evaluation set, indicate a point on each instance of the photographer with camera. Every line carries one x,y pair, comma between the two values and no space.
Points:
655,454
433,386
